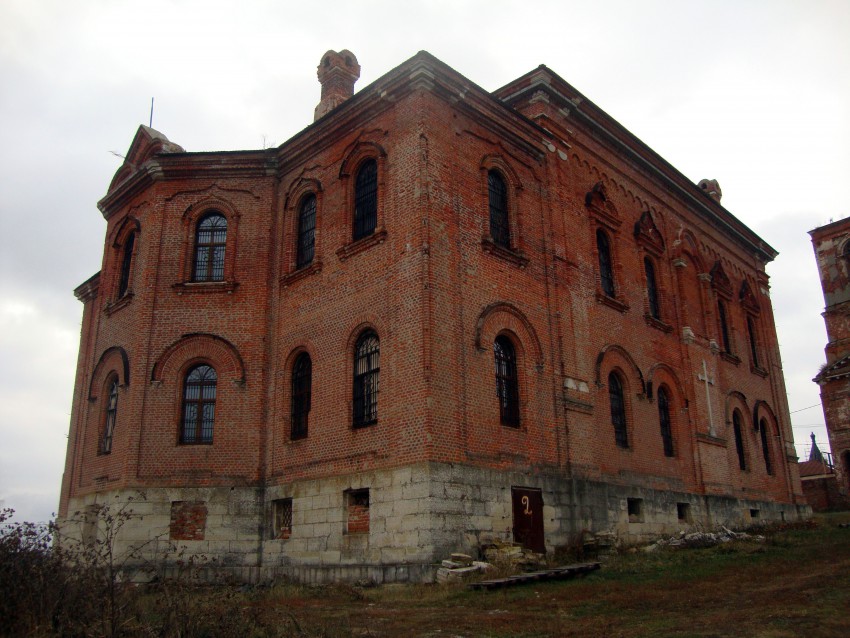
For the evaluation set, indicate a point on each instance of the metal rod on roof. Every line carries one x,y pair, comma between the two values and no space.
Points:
150,123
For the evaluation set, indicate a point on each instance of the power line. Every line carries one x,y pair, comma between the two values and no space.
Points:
801,409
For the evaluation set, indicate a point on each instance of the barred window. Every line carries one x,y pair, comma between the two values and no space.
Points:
302,373
739,439
618,410
366,375
198,419
366,200
111,414
651,289
507,388
724,327
664,420
210,242
306,232
606,270
765,446
500,229
126,264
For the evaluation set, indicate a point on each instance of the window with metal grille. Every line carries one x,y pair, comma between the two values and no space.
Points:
606,270
618,410
111,414
739,439
366,200
765,446
282,515
126,264
651,289
301,387
210,243
366,374
754,350
198,405
507,388
306,231
724,326
664,420
500,229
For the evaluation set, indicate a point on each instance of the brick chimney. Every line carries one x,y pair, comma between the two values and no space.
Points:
337,74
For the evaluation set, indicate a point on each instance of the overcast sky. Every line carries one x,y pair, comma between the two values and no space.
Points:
755,94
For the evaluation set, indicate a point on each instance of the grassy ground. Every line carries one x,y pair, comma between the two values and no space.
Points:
797,583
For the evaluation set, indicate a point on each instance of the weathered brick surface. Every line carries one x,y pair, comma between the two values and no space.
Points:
833,259
437,291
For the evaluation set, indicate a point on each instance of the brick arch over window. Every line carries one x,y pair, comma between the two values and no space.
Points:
736,399
661,373
192,216
613,355
112,359
286,387
124,242
297,193
355,158
500,317
222,354
736,402
771,441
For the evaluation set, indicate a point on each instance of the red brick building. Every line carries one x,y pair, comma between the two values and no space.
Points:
832,249
435,316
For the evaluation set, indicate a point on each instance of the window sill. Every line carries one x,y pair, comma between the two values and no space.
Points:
115,306
759,371
365,243
363,426
508,254
731,358
302,273
657,323
205,287
611,302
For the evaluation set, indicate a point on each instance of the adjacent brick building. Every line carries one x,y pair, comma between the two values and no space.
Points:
832,249
436,315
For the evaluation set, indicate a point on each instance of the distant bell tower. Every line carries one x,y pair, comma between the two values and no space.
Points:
337,74
832,249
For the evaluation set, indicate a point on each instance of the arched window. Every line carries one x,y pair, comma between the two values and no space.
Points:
500,229
198,405
366,200
366,376
210,242
302,379
724,327
651,289
606,270
507,387
765,446
664,420
754,351
306,231
126,264
739,439
109,417
618,410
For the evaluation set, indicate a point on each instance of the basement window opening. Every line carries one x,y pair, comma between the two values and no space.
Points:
754,514
683,512
357,511
282,518
635,507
